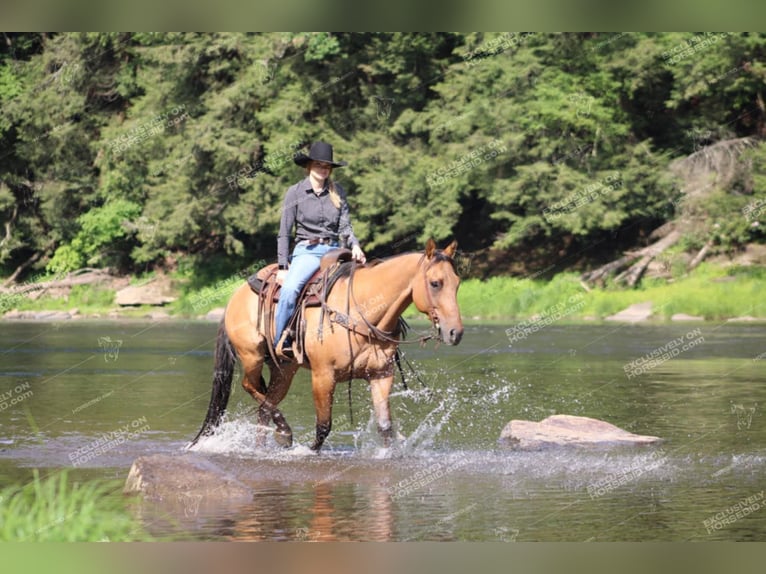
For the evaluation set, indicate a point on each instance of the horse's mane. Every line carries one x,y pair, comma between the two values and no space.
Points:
345,268
438,256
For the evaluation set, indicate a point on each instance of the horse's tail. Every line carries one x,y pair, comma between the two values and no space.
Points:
222,376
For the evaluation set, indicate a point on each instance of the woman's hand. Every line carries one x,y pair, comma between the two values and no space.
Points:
358,254
281,274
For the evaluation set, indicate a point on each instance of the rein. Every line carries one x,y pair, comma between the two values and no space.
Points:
372,331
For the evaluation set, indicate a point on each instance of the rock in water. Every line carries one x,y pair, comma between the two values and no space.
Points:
165,477
569,430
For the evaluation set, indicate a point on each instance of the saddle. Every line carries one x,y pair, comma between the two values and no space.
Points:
332,266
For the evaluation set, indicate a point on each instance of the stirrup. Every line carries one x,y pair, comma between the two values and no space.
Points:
287,354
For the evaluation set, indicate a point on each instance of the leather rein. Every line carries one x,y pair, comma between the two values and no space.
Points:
374,332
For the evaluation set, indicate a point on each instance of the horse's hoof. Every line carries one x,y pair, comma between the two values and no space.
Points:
284,439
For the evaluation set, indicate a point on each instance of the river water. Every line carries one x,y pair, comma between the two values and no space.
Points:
64,386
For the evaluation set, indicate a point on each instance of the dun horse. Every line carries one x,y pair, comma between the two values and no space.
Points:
363,345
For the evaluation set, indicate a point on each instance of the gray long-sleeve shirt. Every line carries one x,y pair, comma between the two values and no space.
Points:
314,216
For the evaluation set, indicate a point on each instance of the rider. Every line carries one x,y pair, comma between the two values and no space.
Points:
317,208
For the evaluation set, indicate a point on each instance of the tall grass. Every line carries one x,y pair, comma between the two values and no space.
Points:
712,292
55,509
86,298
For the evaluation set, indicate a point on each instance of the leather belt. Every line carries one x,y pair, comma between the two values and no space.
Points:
316,240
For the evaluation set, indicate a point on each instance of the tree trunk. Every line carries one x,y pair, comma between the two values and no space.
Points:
632,275
20,268
700,256
79,277
598,275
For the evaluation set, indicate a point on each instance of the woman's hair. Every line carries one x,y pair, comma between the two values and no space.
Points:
334,195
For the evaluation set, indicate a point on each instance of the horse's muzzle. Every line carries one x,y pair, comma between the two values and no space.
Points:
450,336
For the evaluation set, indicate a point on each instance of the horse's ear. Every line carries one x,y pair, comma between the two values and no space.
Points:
430,248
451,249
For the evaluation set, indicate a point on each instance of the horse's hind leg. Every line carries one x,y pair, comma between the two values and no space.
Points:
255,385
253,381
279,384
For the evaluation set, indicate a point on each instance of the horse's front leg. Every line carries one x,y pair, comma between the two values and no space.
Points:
380,389
323,388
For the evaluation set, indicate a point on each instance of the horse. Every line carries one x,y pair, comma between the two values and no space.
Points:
360,343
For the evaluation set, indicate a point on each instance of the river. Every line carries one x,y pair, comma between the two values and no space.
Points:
64,386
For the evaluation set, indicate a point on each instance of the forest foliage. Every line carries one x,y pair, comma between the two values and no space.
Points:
143,151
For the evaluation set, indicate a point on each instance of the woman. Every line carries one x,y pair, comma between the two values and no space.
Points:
317,208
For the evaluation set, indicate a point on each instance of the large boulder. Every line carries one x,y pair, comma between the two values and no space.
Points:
633,314
569,430
215,314
164,477
155,292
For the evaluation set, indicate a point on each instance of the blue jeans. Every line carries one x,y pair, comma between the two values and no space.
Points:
304,263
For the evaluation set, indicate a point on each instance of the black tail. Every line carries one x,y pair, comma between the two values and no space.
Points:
222,376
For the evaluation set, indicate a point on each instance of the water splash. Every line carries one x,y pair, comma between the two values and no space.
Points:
234,436
425,434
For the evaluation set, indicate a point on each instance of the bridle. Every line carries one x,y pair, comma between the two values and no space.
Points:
373,331
432,314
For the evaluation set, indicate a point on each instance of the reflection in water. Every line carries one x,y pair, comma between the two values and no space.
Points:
320,512
327,513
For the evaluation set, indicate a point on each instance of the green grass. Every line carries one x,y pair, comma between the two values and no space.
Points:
712,292
86,298
56,509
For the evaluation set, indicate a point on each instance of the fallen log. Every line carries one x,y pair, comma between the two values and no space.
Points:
79,277
631,275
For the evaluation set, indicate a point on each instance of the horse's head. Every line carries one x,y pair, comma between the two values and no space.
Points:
434,291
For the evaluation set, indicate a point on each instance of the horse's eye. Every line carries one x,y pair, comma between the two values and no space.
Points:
436,284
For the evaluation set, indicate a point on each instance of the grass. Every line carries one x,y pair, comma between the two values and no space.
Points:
55,509
86,298
712,292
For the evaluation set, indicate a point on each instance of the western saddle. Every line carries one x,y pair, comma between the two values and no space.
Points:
333,265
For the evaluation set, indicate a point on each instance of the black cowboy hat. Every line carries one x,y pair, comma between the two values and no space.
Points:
319,151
